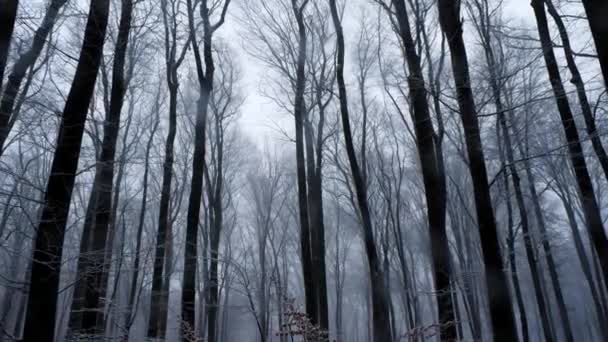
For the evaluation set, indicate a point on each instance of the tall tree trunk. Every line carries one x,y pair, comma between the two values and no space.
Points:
597,12
25,61
40,317
317,227
434,180
513,265
577,80
310,288
379,295
501,311
159,299
589,204
157,324
509,168
97,223
594,288
8,14
205,79
525,226
216,224
133,295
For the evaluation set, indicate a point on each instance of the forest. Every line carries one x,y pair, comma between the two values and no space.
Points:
303,170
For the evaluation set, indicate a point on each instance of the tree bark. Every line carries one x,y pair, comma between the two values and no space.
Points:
434,180
157,322
92,260
205,79
577,81
317,227
525,333
8,14
131,307
310,288
501,311
40,317
589,204
597,12
25,61
379,294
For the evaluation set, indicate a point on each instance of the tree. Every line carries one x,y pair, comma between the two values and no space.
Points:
97,234
40,317
299,113
8,14
588,200
596,11
380,298
501,311
25,62
205,79
173,60
432,173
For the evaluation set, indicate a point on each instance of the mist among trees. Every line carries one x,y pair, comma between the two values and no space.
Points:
303,170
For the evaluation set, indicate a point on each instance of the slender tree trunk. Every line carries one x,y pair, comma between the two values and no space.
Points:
433,183
216,229
501,311
310,288
537,279
526,233
205,79
40,317
159,299
25,61
379,295
91,267
578,246
589,204
597,12
552,266
133,294
8,14
577,80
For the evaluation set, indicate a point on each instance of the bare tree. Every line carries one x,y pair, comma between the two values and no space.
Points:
596,11
380,300
588,200
8,14
25,62
503,323
205,80
40,319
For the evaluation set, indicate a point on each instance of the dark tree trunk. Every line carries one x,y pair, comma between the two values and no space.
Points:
523,217
92,260
589,204
159,300
501,311
133,295
597,12
379,295
205,79
216,224
25,61
194,206
310,288
157,322
317,227
509,168
40,317
577,80
525,333
434,180
8,14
